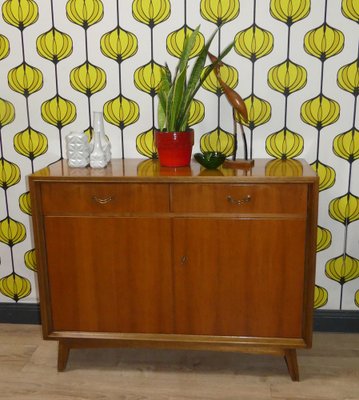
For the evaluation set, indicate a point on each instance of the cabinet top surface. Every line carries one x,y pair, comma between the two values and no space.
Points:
146,169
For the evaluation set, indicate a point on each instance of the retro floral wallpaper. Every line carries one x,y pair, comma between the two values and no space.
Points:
295,62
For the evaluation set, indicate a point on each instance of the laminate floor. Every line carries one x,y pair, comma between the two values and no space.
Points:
329,371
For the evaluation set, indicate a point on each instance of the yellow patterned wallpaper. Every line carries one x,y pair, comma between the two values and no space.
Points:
295,62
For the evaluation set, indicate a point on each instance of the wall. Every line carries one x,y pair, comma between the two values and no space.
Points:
295,62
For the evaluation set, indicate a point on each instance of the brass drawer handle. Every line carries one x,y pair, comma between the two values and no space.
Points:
239,202
102,201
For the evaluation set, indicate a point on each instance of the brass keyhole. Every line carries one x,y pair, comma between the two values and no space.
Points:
184,260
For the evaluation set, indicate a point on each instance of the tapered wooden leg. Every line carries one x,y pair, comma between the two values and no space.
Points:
63,355
290,356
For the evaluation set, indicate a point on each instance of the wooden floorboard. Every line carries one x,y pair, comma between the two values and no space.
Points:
329,371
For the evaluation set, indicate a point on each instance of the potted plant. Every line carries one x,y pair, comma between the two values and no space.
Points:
174,137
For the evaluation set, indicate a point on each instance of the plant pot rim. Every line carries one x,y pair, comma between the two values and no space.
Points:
189,130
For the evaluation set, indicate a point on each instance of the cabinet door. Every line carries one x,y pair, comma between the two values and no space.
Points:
109,274
239,277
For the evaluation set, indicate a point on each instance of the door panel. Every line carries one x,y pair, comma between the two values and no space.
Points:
239,277
110,274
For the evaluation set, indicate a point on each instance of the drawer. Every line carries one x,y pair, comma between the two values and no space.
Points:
240,198
62,198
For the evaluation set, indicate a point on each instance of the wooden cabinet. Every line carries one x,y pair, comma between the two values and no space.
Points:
139,255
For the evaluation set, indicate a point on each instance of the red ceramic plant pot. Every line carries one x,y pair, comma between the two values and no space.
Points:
174,148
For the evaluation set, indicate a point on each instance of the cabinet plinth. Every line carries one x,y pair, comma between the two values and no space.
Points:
143,256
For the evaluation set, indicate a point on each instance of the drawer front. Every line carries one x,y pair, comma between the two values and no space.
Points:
240,198
97,198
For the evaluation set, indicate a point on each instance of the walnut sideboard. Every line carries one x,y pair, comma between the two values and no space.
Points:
144,256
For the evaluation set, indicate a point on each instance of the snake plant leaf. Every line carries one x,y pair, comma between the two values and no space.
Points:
161,116
195,76
175,99
218,62
163,96
184,120
176,95
196,80
189,43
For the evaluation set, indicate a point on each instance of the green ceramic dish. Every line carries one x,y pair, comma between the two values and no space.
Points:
210,159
